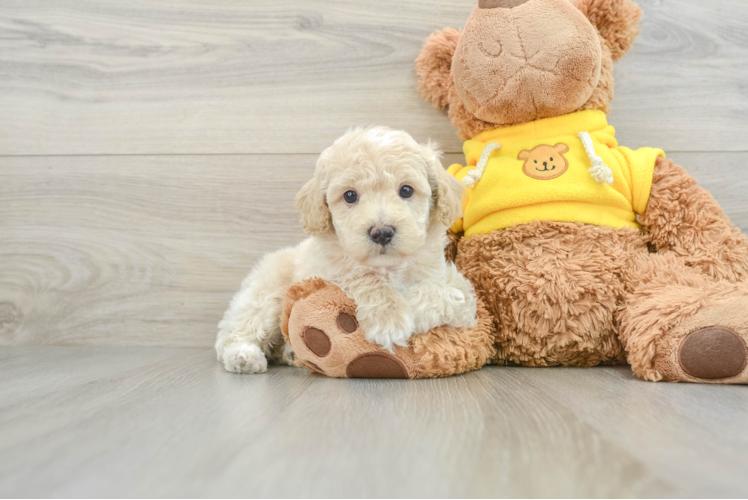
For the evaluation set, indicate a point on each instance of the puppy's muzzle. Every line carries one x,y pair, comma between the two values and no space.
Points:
381,234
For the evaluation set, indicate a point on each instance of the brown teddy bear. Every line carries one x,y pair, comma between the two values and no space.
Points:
603,254
582,252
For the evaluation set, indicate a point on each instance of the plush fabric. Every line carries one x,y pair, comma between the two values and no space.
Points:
617,22
536,60
649,271
512,191
684,219
553,289
615,26
574,294
326,345
666,300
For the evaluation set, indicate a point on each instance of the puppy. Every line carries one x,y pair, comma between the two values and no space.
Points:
377,210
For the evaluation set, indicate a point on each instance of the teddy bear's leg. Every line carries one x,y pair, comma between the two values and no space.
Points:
319,322
553,290
678,324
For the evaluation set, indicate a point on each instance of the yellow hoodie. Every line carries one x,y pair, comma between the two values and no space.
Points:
564,169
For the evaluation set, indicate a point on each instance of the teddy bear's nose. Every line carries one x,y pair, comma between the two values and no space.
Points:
504,4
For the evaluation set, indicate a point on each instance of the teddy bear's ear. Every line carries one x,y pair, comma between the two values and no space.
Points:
524,155
561,148
434,64
617,21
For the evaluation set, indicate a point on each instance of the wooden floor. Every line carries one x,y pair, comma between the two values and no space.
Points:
164,422
150,151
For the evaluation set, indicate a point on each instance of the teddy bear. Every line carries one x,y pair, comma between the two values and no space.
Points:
582,252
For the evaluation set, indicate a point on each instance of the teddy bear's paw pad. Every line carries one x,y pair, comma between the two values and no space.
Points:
713,353
347,323
317,341
376,365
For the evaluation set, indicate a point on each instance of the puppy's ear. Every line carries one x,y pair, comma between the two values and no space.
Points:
617,21
433,67
446,191
561,148
524,155
312,205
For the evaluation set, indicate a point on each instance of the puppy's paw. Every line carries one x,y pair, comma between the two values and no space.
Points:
463,310
466,319
244,358
387,328
435,306
455,297
426,318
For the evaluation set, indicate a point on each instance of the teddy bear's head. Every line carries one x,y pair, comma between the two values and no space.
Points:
521,60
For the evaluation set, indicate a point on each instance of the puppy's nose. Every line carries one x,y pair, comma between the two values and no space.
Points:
381,234
504,4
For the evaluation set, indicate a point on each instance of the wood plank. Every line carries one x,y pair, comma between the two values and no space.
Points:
148,250
136,250
168,76
691,423
169,422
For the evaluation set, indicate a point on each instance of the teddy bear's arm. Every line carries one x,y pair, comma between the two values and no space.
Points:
684,218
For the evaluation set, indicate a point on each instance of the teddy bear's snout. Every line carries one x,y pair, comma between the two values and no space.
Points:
504,4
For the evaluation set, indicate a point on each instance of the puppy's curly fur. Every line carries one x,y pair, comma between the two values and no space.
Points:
402,286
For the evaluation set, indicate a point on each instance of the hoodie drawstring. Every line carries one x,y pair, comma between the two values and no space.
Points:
475,175
600,171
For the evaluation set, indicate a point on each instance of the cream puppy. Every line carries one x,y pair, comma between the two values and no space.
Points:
377,211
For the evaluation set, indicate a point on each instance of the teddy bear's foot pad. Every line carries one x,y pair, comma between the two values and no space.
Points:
710,345
713,353
367,365
376,365
317,341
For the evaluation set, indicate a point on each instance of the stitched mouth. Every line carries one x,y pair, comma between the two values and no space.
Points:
546,169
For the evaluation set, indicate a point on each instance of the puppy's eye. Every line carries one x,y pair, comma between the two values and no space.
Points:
350,196
406,192
551,159
536,161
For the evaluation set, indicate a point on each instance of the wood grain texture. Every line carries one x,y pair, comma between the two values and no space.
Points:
148,250
169,422
269,76
145,250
